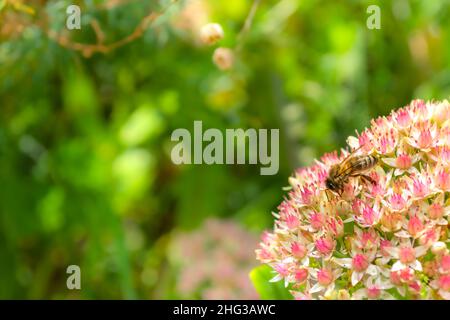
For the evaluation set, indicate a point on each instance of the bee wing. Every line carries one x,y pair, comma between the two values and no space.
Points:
347,169
350,154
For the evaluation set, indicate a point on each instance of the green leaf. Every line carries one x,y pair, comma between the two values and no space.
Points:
2,4
260,277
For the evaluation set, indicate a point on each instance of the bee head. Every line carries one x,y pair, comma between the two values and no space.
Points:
329,184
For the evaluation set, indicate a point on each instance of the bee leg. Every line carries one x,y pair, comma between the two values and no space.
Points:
368,179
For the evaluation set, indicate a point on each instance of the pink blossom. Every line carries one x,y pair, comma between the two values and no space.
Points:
403,161
390,234
407,255
298,250
324,277
360,262
214,260
445,263
301,275
415,226
317,220
444,282
324,245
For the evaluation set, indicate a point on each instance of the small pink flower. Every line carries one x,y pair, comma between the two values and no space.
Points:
392,221
403,161
443,180
292,221
298,250
325,277
325,246
373,293
414,286
263,254
395,278
407,255
406,275
429,236
436,211
445,264
425,139
423,136
397,202
281,269
383,245
335,226
365,140
442,153
301,275
444,282
420,188
415,226
306,196
360,262
317,220
403,118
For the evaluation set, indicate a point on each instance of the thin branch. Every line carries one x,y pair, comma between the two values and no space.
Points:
99,34
247,24
89,49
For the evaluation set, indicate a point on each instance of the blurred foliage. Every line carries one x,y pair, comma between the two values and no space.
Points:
85,142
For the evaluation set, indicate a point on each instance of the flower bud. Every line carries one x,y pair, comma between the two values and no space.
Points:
301,275
211,33
439,248
298,250
407,255
415,226
223,58
325,246
444,282
293,181
360,262
373,293
445,263
324,277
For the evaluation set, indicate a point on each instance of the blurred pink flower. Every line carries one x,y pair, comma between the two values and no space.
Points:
377,241
214,261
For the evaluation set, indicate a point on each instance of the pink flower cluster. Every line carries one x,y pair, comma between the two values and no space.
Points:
387,240
214,261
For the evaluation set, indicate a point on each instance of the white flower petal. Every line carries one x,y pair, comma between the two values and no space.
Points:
356,277
398,266
359,294
372,270
390,162
316,288
343,262
444,294
416,265
403,234
276,278
393,251
420,250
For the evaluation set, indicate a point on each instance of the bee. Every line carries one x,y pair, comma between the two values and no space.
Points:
351,167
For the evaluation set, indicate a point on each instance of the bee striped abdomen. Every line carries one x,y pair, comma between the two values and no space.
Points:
363,163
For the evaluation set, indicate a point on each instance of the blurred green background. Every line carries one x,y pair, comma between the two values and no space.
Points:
85,170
